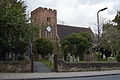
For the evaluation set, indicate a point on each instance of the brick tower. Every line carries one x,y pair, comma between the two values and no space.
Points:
46,20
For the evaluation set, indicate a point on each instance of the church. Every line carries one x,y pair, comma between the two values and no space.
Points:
46,20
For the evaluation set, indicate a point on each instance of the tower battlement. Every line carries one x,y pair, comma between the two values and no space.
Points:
41,9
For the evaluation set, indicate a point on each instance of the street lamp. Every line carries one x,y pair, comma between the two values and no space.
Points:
31,55
99,25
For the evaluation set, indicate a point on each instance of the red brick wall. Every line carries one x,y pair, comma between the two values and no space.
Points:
39,17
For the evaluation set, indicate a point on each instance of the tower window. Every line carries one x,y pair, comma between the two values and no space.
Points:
48,19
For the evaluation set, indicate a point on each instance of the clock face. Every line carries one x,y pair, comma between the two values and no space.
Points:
49,28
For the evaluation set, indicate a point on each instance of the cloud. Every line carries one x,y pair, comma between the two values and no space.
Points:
116,5
78,12
91,2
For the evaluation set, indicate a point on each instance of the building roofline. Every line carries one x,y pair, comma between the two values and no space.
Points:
73,26
77,27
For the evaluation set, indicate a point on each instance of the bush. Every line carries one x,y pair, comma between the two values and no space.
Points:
118,58
111,59
98,55
44,47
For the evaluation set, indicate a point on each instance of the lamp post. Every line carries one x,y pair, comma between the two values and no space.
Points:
99,25
31,55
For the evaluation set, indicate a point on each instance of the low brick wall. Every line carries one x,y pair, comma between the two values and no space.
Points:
14,66
66,66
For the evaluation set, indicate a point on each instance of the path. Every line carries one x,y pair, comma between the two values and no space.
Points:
39,67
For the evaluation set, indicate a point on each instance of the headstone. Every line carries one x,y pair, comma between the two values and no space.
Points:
104,56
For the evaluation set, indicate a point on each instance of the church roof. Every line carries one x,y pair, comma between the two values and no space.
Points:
64,30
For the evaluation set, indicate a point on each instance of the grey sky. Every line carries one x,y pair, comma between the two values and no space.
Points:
78,12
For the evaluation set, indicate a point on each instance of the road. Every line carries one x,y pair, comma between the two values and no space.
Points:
110,77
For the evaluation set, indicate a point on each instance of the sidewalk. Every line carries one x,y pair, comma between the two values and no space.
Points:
56,75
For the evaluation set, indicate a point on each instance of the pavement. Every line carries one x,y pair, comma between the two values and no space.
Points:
42,68
54,75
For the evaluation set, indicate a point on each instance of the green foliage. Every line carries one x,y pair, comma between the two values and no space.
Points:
111,35
15,32
82,61
118,58
98,55
19,47
44,47
111,59
117,18
76,44
66,49
93,61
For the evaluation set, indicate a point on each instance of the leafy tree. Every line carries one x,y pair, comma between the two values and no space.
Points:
76,44
14,28
65,52
111,38
118,58
117,18
44,46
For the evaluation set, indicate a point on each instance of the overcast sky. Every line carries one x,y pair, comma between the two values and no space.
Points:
78,12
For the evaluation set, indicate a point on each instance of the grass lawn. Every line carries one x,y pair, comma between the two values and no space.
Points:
83,61
94,61
47,63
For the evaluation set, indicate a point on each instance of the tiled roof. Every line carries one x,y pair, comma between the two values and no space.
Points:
64,30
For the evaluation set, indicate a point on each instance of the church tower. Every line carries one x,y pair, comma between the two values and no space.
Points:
46,19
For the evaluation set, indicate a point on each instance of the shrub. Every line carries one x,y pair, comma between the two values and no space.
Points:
98,55
111,59
118,58
44,47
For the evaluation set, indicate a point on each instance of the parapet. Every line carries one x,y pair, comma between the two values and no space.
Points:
43,9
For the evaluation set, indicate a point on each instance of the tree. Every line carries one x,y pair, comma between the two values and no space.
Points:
76,44
44,46
111,38
14,27
65,52
117,18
